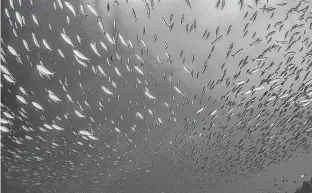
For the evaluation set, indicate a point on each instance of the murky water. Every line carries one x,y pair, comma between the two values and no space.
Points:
155,96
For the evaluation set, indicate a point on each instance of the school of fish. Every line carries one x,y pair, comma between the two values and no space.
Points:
181,107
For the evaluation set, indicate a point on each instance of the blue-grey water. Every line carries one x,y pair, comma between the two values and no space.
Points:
178,96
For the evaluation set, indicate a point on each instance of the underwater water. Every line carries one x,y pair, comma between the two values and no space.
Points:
156,95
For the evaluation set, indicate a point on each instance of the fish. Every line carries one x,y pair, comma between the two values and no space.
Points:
182,18
60,3
144,44
139,115
255,42
106,90
240,82
139,58
134,15
100,22
259,59
46,45
84,132
5,70
61,53
148,11
6,11
259,88
149,95
35,40
37,106
9,78
3,59
43,71
188,3
110,39
15,33
23,91
212,113
101,71
82,63
94,48
26,45
68,20
53,97
50,27
83,11
178,90
93,10
217,39
21,99
237,52
58,127
35,19
8,115
79,114
118,72
217,31
70,7
19,18
13,51
12,5
164,21
139,70
118,130
122,40
171,17
103,45
4,129
80,55
201,109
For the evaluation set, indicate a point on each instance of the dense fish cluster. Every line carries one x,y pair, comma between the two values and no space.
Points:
131,96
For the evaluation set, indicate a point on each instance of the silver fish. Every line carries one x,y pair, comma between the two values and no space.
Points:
94,48
35,19
9,78
13,51
60,3
92,9
67,39
43,71
35,40
70,7
46,45
106,90
61,53
19,18
80,55
37,106
26,45
79,39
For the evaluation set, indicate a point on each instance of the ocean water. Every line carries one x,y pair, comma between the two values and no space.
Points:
156,96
